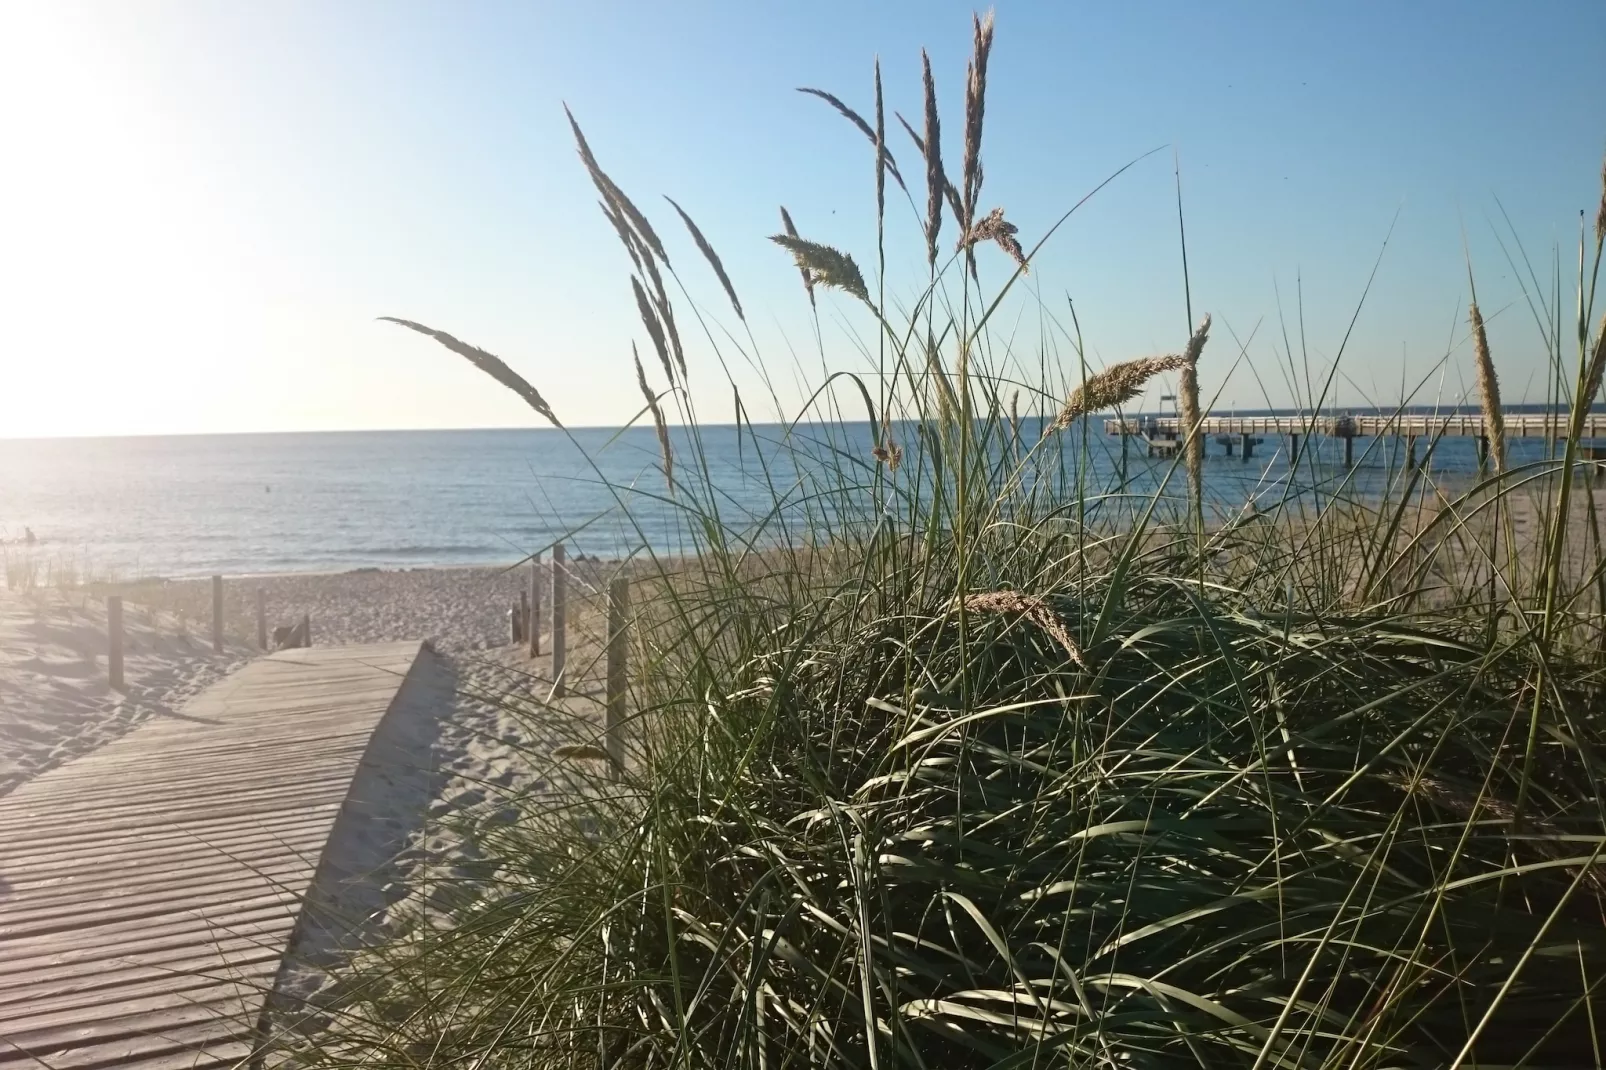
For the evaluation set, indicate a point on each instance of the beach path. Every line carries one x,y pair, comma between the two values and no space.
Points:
149,889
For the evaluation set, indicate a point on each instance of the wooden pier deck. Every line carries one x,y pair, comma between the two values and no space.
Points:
1458,425
148,890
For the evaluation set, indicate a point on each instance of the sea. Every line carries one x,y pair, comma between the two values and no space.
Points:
246,504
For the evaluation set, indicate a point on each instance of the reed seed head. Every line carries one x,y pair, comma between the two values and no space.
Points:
712,257
825,265
890,455
1600,214
1188,407
655,329
1115,385
949,193
994,227
791,232
1494,418
1033,609
864,128
931,148
612,193
880,148
975,111
488,363
664,451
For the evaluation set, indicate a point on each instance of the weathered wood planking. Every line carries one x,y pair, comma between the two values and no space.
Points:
147,890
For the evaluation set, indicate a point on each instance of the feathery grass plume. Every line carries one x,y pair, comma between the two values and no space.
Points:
949,193
1014,414
1115,385
1600,214
791,232
612,193
1597,365
880,148
890,455
1494,417
627,239
1033,609
657,420
655,329
488,363
936,180
711,256
825,265
975,111
858,120
1188,406
994,227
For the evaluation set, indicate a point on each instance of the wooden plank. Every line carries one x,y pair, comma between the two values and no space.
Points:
148,890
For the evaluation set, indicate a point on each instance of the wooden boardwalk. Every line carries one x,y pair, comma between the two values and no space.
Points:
1467,425
148,890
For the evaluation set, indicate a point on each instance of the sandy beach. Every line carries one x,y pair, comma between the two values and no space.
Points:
471,733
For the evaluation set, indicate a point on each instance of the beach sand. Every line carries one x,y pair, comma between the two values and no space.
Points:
55,700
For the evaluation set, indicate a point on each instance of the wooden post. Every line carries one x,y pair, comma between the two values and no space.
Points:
1410,452
217,614
306,630
114,641
618,651
1483,454
1248,445
560,607
262,620
534,635
1349,451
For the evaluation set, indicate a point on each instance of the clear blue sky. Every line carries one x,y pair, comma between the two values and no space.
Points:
206,204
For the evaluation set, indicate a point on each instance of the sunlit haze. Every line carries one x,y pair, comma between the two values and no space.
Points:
206,206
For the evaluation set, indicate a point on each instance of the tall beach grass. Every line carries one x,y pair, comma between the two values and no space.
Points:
961,757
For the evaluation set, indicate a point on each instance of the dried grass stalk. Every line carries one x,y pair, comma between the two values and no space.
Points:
1188,406
1033,609
791,232
612,193
711,256
864,128
949,193
931,149
657,420
1600,214
1597,365
1115,385
825,265
489,364
655,330
975,112
994,227
1494,416
880,149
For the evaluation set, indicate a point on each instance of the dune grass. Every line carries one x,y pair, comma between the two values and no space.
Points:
964,757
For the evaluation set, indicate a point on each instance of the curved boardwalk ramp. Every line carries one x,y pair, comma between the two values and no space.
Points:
148,890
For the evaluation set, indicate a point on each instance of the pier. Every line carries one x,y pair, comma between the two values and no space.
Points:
1162,434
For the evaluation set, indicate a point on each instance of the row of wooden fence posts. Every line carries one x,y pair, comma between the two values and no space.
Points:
114,629
527,617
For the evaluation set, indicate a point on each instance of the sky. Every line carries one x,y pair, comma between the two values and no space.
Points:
204,207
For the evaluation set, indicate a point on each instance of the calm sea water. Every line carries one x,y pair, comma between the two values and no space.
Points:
193,505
